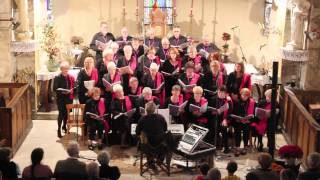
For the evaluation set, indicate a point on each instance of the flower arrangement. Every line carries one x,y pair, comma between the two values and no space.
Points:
50,44
290,151
226,37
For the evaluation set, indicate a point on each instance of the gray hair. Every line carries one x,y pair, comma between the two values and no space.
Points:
313,160
73,149
103,157
146,90
214,174
64,64
150,107
93,169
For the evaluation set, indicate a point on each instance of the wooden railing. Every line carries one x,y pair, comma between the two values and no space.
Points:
299,126
15,121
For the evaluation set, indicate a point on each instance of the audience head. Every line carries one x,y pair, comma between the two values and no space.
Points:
232,167
176,90
111,67
287,174
103,157
118,90
251,176
215,66
313,161
151,53
5,154
150,107
124,32
88,62
268,95
104,27
222,92
96,92
197,93
36,156
204,168
93,169
189,68
245,94
192,51
165,43
176,31
265,160
133,82
147,93
115,47
173,53
239,68
73,149
214,174
107,54
127,49
154,68
64,67
151,33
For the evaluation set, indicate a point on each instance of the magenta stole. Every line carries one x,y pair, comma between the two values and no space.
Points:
116,78
261,126
71,83
202,119
94,76
102,110
159,79
246,79
180,100
194,80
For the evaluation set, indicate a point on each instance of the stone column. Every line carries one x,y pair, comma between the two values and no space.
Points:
23,33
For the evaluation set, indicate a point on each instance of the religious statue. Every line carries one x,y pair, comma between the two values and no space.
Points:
298,16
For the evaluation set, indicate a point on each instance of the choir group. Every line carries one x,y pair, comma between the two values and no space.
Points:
174,73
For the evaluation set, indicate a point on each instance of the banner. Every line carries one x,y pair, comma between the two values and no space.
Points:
294,55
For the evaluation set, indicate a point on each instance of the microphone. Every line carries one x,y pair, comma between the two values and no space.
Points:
234,27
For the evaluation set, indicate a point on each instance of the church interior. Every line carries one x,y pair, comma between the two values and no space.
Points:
160,89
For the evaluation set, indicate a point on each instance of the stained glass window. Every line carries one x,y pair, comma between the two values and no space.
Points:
164,5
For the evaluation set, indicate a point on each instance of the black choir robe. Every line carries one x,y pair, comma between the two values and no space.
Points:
82,91
99,36
133,64
122,42
137,53
143,62
210,48
118,106
141,102
155,42
211,82
177,42
192,118
170,80
196,60
163,54
195,79
235,84
154,84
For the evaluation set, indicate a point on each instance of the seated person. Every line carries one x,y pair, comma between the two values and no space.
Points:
121,122
97,106
106,171
177,39
313,168
8,168
153,127
175,99
231,168
152,40
197,116
265,172
204,168
71,168
214,174
124,39
206,45
189,77
93,171
37,169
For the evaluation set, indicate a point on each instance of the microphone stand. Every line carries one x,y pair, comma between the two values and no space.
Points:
244,59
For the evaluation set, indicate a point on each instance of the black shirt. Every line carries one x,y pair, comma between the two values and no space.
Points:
99,36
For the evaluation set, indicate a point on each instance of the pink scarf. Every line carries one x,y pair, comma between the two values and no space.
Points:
203,119
261,126
128,103
246,79
194,80
94,75
101,110
159,80
71,83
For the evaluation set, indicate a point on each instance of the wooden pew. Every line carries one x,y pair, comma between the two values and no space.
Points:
299,126
15,121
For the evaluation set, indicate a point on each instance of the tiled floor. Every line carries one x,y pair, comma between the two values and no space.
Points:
43,134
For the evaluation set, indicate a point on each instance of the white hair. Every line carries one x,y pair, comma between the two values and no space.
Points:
111,66
73,149
114,45
132,79
64,64
93,169
147,90
106,52
191,48
103,157
117,88
165,39
154,66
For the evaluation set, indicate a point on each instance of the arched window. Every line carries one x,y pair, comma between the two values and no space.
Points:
164,5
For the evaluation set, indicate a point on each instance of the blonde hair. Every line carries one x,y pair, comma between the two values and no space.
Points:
245,91
111,66
154,66
117,88
147,90
133,79
268,92
192,48
107,51
197,89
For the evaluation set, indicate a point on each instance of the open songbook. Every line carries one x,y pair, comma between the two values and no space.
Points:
95,116
201,109
219,110
185,87
109,85
129,114
175,110
158,89
175,72
204,53
67,91
124,70
181,46
210,92
244,120
89,84
103,45
262,113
